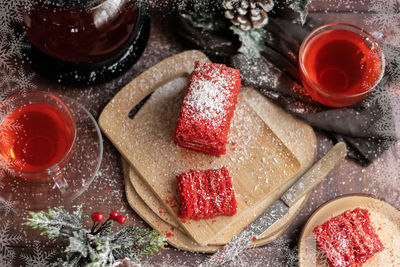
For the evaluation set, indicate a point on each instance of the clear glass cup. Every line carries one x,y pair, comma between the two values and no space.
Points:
36,122
340,64
69,175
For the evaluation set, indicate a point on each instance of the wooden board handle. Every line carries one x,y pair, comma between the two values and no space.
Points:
132,93
315,174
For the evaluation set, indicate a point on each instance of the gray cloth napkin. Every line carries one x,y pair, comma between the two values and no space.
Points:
367,127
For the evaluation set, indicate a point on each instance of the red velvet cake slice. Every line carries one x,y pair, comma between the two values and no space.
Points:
348,239
206,194
207,108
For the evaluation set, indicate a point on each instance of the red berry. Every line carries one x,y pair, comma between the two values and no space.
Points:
113,215
121,219
97,216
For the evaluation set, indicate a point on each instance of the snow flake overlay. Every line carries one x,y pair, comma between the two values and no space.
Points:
7,240
38,257
383,20
12,44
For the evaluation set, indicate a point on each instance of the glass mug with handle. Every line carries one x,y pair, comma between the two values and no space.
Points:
340,64
38,136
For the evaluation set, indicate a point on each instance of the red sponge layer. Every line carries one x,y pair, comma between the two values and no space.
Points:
207,108
206,194
348,239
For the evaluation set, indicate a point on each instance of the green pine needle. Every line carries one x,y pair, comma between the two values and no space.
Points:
145,241
106,230
78,243
252,41
55,222
300,6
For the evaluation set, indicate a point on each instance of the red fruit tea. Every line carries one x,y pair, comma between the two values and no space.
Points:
34,137
87,33
339,66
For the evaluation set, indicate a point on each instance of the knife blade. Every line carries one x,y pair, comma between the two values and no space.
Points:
279,208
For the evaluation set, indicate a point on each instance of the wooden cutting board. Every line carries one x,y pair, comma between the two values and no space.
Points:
261,165
151,210
175,236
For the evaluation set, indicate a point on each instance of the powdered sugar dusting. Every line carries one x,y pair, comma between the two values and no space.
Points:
208,102
208,99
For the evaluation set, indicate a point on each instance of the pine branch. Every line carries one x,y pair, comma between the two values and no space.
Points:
126,252
69,260
55,222
300,6
100,251
106,229
252,41
97,247
150,242
146,242
78,243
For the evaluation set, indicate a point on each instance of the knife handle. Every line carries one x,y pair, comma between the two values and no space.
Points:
315,174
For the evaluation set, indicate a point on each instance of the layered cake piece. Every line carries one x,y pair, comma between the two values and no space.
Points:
207,108
206,194
348,239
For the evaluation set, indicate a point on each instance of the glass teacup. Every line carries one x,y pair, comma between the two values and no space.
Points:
37,136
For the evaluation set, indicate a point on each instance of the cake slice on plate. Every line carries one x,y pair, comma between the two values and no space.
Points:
348,239
207,108
206,194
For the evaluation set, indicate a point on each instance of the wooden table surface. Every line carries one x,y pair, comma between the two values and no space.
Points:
381,178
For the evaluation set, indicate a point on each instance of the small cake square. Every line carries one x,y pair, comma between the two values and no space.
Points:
206,194
208,108
348,239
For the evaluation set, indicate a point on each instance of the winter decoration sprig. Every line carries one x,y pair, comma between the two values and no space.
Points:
98,246
300,6
252,42
245,18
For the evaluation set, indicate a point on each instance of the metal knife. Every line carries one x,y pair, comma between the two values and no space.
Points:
280,207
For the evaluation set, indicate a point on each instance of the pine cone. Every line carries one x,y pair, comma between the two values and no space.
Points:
248,14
